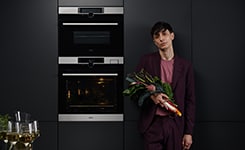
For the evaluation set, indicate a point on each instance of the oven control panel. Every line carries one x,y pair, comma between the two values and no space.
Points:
89,60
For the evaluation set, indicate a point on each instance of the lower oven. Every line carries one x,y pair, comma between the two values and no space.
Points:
90,89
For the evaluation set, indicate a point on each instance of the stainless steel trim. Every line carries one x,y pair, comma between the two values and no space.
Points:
90,74
90,24
68,60
107,10
90,117
114,60
107,60
91,106
113,10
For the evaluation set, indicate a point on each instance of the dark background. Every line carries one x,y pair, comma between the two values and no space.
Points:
209,33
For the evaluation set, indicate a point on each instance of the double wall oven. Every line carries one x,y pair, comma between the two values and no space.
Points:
91,63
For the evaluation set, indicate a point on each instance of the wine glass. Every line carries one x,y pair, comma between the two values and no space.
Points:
12,134
35,134
22,116
36,129
26,133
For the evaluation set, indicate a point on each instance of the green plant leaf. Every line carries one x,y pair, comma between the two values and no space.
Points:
4,121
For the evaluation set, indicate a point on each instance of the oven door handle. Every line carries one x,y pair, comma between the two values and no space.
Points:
88,24
90,74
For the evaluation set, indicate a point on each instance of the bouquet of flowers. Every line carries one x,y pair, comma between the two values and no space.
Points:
142,82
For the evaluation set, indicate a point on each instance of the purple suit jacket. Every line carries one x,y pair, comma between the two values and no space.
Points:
183,88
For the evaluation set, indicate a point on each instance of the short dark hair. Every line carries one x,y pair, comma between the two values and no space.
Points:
160,25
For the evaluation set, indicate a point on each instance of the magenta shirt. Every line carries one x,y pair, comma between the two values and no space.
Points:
167,67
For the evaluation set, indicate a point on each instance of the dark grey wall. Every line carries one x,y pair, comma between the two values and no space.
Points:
28,50
218,56
211,35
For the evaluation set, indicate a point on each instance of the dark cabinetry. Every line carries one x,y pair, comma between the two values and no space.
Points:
28,50
218,56
28,45
91,135
48,138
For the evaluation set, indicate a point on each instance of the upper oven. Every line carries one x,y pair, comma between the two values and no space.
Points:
90,31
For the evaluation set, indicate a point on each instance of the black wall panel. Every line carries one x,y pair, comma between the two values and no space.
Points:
218,55
91,135
28,50
219,136
29,58
48,139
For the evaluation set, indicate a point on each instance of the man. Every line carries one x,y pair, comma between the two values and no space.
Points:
161,129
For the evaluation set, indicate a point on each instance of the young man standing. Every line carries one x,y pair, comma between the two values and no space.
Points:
161,129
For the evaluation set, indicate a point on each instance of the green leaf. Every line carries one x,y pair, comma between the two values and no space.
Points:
4,121
139,81
168,90
142,98
132,89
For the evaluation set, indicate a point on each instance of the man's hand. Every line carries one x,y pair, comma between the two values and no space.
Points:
159,98
187,141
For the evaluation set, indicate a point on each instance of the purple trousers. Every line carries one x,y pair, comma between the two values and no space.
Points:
163,134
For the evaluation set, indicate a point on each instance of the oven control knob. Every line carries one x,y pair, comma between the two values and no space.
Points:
90,15
90,63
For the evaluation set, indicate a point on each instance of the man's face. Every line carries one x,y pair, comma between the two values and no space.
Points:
163,39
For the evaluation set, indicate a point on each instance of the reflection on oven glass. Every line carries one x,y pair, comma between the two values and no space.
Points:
91,92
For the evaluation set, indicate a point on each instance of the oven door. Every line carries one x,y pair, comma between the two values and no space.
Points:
90,93
90,34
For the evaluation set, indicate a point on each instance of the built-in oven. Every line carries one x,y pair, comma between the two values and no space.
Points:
90,31
90,88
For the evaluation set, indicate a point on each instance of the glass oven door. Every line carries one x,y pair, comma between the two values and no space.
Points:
86,90
90,35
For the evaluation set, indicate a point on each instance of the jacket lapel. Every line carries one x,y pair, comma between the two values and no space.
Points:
156,65
176,72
